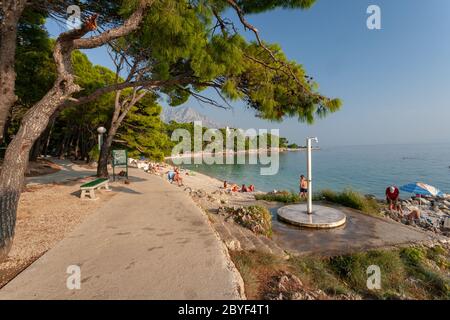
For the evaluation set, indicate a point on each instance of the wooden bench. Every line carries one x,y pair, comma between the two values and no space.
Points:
91,186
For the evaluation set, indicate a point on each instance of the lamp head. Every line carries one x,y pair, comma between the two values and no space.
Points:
101,130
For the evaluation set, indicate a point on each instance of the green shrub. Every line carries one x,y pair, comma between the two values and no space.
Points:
352,199
348,198
352,269
415,259
438,255
328,195
94,154
413,256
280,196
317,272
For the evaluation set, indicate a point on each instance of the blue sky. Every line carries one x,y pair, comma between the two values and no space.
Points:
394,82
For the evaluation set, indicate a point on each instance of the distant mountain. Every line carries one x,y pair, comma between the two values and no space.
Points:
187,115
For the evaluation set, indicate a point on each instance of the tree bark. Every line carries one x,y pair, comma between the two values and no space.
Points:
48,136
16,161
37,118
36,150
12,11
102,167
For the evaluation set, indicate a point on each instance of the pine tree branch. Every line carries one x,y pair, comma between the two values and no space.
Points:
285,67
130,25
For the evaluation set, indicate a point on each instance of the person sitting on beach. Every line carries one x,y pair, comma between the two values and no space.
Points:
414,215
392,197
225,184
171,176
178,177
244,188
251,188
303,187
235,188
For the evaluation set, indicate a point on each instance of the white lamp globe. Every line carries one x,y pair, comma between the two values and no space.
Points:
101,130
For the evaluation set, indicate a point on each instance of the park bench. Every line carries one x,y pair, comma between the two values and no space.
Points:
91,186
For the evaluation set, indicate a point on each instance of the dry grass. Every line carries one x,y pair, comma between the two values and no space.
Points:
408,273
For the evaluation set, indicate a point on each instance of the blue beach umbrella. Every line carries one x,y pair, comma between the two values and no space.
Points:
421,189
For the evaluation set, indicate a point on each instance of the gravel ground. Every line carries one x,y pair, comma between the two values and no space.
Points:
45,215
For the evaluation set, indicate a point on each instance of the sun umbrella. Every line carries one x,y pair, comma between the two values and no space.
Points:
421,189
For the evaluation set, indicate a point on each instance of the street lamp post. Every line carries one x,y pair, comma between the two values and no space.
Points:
101,131
309,170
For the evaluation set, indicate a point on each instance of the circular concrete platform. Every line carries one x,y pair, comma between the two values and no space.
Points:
321,218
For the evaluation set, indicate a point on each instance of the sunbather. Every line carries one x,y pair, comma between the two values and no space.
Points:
235,188
178,177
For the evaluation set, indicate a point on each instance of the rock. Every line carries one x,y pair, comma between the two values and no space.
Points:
286,286
348,296
233,245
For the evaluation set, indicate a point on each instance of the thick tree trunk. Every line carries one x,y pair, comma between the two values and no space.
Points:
48,136
102,167
36,150
16,158
12,10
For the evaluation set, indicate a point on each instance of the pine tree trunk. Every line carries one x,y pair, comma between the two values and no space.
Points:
17,154
36,150
48,137
12,10
102,167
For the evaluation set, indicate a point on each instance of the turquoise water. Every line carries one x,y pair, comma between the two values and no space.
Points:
368,169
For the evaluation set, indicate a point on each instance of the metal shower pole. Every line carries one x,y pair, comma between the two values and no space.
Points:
309,172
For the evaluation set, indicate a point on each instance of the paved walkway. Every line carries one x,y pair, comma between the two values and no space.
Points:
69,171
149,242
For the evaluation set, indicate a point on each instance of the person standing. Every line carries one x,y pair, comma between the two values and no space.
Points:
303,187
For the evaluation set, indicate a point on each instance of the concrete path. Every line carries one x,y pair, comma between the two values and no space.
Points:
149,242
69,171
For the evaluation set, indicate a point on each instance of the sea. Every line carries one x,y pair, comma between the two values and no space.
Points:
366,169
